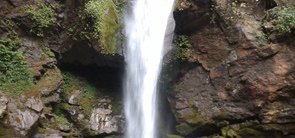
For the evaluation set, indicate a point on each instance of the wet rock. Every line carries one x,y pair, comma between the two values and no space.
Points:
35,104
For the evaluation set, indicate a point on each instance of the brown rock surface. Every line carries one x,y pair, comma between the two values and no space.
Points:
241,77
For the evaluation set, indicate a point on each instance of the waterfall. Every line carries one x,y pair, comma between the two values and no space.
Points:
145,30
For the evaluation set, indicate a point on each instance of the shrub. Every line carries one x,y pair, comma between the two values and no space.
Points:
15,76
285,19
106,22
183,50
42,15
184,47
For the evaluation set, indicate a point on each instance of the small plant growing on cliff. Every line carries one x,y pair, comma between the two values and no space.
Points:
42,15
285,19
183,50
184,47
106,22
15,75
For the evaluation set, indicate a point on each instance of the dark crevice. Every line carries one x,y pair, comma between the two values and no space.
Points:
111,135
11,3
83,54
268,4
205,130
105,78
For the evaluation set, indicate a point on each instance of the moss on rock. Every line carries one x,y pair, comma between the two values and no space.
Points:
185,129
73,83
228,132
106,23
42,15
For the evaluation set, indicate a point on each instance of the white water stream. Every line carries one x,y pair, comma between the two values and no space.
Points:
145,30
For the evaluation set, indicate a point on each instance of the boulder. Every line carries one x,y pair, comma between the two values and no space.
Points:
102,121
74,98
35,104
21,121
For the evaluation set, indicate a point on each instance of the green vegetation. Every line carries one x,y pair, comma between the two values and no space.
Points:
183,51
184,47
228,132
72,83
285,19
15,76
59,115
42,15
185,129
104,15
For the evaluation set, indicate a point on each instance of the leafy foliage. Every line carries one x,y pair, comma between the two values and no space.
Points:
15,75
183,50
285,19
104,13
72,82
42,15
184,47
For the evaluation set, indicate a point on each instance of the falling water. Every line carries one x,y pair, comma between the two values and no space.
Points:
145,30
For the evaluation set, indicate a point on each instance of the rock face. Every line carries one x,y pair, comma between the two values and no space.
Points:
21,121
239,82
239,77
102,121
35,104
47,109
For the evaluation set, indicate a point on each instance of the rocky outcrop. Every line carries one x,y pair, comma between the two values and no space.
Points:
46,42
238,77
101,118
35,104
22,121
237,82
103,121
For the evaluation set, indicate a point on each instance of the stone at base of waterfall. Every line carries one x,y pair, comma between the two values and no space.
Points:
3,104
102,121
